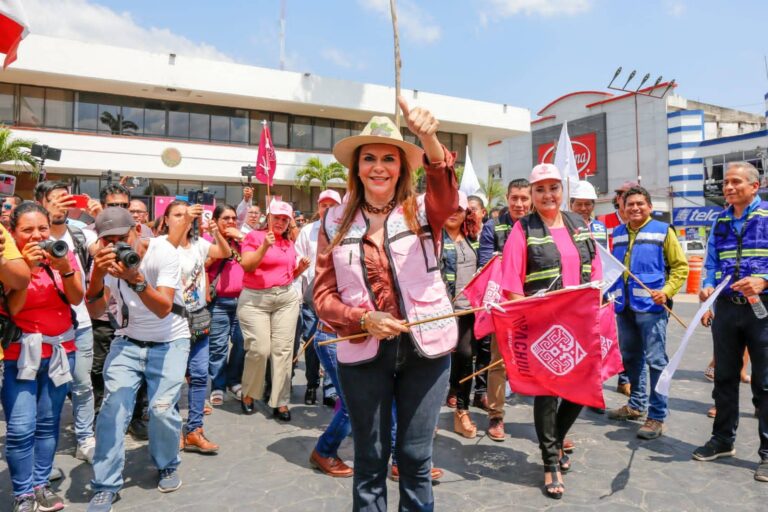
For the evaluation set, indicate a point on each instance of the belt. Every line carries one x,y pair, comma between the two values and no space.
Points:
144,344
740,299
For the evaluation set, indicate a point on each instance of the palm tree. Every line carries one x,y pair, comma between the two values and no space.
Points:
17,151
118,124
314,170
493,190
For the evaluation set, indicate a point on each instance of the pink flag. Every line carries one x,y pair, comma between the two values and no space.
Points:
266,160
609,342
484,288
551,345
13,28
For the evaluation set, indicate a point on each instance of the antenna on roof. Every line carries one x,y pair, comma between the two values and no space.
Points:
282,35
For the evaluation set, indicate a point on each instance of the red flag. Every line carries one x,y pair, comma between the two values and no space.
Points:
266,160
609,342
551,345
483,288
13,28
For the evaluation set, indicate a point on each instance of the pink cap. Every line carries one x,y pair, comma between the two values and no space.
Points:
463,203
280,208
544,172
626,186
330,194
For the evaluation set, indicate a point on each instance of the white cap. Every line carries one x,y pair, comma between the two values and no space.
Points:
584,190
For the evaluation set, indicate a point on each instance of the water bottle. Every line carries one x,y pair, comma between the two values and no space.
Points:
757,306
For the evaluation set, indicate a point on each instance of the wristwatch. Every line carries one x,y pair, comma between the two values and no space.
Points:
138,287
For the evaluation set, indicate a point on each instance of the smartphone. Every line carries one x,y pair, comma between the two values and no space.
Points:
81,201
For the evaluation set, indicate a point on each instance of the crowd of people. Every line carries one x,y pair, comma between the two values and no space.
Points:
121,313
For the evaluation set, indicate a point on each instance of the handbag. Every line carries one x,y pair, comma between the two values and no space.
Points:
199,323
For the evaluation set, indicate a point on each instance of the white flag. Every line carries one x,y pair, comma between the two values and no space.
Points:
469,183
662,386
612,268
565,161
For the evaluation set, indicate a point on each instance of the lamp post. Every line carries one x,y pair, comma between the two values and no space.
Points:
635,91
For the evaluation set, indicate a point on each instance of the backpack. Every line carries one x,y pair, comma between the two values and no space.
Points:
81,248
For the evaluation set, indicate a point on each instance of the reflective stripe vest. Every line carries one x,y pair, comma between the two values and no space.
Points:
599,232
543,265
501,228
448,260
419,287
647,262
742,254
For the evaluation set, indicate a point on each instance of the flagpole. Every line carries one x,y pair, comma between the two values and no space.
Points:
398,62
451,315
269,178
672,313
303,348
481,370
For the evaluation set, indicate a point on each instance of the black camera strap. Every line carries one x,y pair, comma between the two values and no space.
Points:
62,296
175,309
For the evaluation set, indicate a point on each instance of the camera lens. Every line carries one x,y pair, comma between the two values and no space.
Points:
56,248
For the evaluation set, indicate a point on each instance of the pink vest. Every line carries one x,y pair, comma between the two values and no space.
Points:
419,288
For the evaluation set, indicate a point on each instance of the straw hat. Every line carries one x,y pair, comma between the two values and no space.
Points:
379,130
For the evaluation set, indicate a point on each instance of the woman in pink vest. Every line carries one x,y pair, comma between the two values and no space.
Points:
377,268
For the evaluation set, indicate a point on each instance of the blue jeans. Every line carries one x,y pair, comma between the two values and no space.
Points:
419,386
643,341
32,412
82,388
339,428
225,325
197,367
127,364
306,327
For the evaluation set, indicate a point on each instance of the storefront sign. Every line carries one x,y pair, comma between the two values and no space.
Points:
700,216
584,149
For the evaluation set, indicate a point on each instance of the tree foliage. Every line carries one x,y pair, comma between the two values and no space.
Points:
17,152
493,190
315,170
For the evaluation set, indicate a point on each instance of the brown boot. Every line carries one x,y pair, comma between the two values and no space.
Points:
624,389
331,466
463,424
196,441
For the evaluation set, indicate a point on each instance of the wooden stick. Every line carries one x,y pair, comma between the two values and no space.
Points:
482,370
398,62
304,348
672,313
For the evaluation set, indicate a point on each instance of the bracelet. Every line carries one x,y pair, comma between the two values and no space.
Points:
68,274
95,297
362,321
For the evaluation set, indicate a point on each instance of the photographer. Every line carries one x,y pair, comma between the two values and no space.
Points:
55,197
38,364
151,342
181,221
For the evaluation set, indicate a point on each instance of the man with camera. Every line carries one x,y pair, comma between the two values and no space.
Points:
55,197
151,343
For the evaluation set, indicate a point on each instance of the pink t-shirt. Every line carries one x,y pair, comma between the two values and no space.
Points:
277,266
515,259
230,283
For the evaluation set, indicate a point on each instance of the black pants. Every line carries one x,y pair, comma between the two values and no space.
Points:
733,328
482,359
103,333
553,421
461,362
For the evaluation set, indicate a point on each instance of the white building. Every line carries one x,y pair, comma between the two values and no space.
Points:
676,148
183,123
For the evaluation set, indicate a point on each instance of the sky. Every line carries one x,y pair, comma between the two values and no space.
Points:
524,53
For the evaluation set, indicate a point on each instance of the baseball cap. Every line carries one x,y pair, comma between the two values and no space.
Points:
280,208
544,172
114,220
626,186
584,190
329,194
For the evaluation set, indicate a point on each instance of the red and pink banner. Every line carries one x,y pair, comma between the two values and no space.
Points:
609,342
162,202
13,28
484,288
266,159
551,345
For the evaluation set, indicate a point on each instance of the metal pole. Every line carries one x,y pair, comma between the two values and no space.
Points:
637,141
282,35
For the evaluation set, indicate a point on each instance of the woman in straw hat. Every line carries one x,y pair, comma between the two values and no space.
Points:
377,268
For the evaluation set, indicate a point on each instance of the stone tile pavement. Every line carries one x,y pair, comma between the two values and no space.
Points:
263,465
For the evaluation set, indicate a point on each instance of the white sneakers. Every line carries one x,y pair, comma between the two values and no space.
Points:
86,450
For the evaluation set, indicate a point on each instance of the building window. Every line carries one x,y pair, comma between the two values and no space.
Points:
494,172
199,126
340,130
86,111
32,106
178,124
257,117
59,107
301,132
219,128
238,127
279,130
154,119
110,118
7,104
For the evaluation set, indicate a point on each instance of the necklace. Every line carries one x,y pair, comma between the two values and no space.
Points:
383,210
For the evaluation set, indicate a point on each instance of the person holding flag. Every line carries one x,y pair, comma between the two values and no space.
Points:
377,267
737,247
650,250
547,250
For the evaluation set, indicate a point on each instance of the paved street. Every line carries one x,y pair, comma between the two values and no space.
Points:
263,465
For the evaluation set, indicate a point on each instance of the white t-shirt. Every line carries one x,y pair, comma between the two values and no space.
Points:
160,267
192,264
306,246
83,319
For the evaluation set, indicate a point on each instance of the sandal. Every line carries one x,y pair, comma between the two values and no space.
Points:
551,489
709,373
217,397
207,409
564,462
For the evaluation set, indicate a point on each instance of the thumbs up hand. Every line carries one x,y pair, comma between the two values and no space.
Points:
423,125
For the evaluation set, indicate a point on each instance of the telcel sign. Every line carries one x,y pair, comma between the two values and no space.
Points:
701,216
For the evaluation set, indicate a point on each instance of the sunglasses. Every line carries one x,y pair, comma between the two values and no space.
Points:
119,205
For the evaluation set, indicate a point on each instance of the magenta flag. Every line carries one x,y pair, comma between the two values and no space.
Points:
609,342
266,160
551,345
484,288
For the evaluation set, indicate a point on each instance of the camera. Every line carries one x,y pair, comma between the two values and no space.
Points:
9,331
126,255
200,197
56,248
